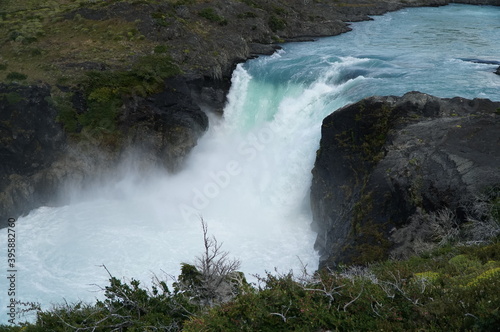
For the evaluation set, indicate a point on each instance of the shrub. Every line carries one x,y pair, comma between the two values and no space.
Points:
11,97
67,115
247,15
211,15
105,90
127,306
457,289
214,279
276,23
15,76
159,49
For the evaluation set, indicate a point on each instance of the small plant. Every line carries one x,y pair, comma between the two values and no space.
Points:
184,3
211,15
247,15
67,115
253,4
214,278
160,49
11,97
15,76
276,23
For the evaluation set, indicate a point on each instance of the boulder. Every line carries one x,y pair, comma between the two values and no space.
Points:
388,168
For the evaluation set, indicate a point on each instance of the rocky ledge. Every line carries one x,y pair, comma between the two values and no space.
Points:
396,175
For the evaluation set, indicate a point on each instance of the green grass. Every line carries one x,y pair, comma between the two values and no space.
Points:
105,90
44,42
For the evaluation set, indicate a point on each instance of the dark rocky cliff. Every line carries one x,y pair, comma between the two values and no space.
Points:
394,175
37,156
31,140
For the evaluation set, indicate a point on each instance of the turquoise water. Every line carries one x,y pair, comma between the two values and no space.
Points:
420,49
249,177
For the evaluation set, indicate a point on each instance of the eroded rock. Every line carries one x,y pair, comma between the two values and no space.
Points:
385,161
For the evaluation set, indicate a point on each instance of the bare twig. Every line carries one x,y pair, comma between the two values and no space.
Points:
355,299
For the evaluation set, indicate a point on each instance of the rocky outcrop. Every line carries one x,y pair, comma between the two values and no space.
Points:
38,158
164,126
386,166
31,140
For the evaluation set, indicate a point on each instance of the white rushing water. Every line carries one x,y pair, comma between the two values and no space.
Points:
249,176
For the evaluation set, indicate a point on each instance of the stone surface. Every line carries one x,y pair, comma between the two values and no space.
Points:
385,161
38,159
164,126
31,140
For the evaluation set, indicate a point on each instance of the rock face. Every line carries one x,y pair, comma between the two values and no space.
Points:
164,126
31,141
388,165
37,157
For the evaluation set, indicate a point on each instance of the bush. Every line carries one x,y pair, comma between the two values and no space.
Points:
211,15
214,279
15,76
127,306
104,90
276,23
11,98
419,293
160,49
450,289
248,15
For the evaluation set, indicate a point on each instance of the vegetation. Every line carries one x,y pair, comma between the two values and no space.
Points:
15,76
53,42
276,23
423,293
451,288
211,15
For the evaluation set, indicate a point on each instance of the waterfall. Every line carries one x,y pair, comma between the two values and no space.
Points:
249,176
